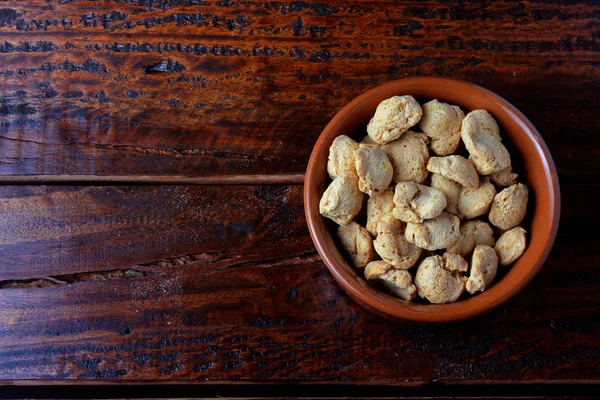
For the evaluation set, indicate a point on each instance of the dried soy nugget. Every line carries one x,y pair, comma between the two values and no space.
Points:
451,190
442,123
393,117
438,283
380,216
416,203
342,200
484,265
373,168
396,250
395,281
509,206
409,156
472,233
341,156
481,135
357,243
457,168
434,234
511,245
474,202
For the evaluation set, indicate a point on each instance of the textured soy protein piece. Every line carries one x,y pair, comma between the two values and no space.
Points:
442,123
393,117
396,250
356,243
341,156
472,233
504,177
434,234
451,190
509,206
484,265
373,168
342,200
416,203
409,156
394,281
380,216
511,245
437,284
457,168
481,135
474,202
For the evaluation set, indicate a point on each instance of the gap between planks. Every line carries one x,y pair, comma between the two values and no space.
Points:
99,180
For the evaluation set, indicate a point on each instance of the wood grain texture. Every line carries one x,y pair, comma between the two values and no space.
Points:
200,88
181,283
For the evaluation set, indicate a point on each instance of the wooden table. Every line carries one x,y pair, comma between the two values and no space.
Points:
151,221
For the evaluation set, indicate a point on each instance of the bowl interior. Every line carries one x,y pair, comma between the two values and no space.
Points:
535,168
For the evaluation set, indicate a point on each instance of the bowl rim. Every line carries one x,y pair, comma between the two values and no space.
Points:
394,308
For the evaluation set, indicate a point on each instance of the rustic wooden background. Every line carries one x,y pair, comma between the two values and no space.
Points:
105,279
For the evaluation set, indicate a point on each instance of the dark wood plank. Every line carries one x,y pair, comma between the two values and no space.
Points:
222,284
226,87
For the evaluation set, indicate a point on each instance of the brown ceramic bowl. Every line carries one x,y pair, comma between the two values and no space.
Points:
527,148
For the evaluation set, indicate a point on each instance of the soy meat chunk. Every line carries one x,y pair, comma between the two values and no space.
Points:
451,190
409,156
509,206
416,203
373,168
341,156
442,123
457,168
394,281
511,245
357,243
434,234
484,265
436,283
472,233
380,216
474,202
481,135
342,200
393,117
396,250
504,177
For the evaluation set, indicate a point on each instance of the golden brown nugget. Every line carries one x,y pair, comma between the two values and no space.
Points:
357,244
457,168
409,156
511,245
437,284
434,234
393,117
481,135
442,123
474,202
396,282
342,200
455,262
509,206
394,249
415,203
505,177
380,216
451,190
472,233
484,266
341,156
373,168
